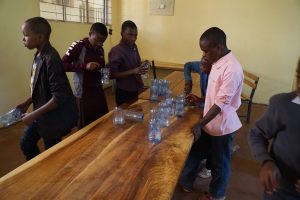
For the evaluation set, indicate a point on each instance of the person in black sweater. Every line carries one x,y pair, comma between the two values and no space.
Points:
280,165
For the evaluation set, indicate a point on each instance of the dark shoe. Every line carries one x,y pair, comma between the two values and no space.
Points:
207,196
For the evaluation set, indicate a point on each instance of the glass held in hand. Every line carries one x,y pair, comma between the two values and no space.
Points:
10,117
146,66
118,116
104,75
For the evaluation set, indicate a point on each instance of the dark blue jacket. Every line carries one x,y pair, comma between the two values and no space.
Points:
50,80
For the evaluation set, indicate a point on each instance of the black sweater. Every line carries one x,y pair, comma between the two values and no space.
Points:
281,122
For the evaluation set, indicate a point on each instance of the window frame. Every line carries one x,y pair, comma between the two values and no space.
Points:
106,16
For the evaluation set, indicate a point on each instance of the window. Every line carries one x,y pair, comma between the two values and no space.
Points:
84,11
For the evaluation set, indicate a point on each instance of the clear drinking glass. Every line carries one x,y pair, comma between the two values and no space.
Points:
104,75
11,117
146,65
118,117
169,102
166,86
154,90
179,105
133,115
163,114
154,134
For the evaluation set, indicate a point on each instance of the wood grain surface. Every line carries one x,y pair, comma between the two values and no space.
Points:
105,161
177,82
168,65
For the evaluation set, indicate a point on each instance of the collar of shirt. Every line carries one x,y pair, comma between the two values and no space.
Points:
222,61
296,100
43,50
125,45
89,46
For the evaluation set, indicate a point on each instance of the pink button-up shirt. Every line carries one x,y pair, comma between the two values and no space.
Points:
224,89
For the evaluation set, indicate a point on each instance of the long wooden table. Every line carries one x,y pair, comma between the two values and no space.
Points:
105,161
176,80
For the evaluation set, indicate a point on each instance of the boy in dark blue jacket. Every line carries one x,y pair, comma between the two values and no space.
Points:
54,108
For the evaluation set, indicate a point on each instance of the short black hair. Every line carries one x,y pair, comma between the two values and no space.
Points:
39,25
128,24
99,28
214,35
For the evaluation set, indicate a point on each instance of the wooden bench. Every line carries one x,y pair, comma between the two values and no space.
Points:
166,65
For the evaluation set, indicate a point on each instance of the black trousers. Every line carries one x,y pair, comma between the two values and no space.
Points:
123,96
90,109
29,140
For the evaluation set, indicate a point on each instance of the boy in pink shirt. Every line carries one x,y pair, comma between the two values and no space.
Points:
213,133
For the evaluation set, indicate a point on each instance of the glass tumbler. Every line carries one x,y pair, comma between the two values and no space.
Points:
146,65
104,75
118,117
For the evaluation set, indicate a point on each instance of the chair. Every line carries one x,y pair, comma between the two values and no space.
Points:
153,69
250,85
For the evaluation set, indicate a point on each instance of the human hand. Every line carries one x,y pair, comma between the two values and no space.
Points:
270,177
297,185
196,130
23,107
91,66
28,118
205,66
188,87
146,65
193,99
139,70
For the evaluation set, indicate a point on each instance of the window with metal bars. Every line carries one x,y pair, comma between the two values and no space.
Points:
84,11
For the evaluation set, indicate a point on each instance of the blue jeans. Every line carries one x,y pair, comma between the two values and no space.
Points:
217,150
194,66
29,140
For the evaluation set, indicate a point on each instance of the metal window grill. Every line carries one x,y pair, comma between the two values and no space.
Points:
84,11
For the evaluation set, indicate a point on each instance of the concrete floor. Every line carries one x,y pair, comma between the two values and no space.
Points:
243,185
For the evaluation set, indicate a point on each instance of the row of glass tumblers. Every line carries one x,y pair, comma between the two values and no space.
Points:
160,116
